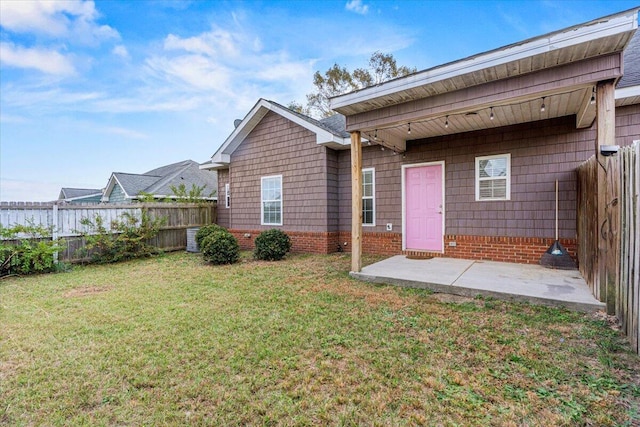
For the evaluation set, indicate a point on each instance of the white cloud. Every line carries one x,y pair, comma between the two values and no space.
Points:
127,133
120,51
74,20
215,42
44,60
357,7
196,71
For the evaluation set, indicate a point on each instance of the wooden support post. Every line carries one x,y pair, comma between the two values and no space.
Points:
606,122
356,202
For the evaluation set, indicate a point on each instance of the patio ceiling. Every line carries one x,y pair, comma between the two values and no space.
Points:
575,101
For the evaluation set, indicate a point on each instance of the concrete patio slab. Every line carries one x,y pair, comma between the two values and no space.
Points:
507,281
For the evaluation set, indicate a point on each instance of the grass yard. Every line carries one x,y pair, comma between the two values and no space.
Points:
172,341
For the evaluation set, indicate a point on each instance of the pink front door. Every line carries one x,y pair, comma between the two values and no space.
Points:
424,208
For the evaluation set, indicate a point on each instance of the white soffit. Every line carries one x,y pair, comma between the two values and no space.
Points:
612,27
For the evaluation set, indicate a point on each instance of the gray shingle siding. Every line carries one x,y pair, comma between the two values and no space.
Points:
117,195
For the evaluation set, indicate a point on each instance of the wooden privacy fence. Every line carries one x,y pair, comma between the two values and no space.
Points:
614,279
66,221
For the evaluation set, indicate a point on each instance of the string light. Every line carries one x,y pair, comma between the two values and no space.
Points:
542,106
382,148
409,129
492,114
593,95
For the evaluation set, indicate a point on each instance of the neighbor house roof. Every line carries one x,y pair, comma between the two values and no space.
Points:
160,180
628,88
68,193
329,131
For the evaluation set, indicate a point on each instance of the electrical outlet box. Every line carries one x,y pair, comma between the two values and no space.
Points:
389,226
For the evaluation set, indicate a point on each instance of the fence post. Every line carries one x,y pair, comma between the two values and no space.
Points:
54,231
606,121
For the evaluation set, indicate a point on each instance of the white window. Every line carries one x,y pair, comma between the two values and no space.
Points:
227,196
271,206
493,177
368,197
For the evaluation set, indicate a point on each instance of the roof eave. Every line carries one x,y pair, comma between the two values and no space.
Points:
603,27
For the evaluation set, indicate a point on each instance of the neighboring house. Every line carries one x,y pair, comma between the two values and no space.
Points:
458,160
80,195
127,187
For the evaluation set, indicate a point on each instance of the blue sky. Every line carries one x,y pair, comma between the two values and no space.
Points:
89,88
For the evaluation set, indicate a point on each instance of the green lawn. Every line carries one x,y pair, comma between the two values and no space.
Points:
172,341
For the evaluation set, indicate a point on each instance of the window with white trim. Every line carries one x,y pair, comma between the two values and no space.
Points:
227,196
493,177
368,197
271,200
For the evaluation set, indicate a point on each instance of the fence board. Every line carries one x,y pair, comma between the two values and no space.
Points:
172,236
621,230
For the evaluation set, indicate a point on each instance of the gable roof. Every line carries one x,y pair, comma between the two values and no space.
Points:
329,132
160,180
69,193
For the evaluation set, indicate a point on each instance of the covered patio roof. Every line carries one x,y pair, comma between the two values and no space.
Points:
501,87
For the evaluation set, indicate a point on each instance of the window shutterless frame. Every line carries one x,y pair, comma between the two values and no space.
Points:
271,200
368,197
493,177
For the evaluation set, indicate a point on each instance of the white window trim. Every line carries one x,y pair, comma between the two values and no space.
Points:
227,196
373,197
262,201
478,179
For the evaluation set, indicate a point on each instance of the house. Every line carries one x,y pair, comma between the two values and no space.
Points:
159,183
281,169
79,195
459,160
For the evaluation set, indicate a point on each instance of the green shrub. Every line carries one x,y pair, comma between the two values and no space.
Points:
27,249
128,238
220,247
272,245
205,231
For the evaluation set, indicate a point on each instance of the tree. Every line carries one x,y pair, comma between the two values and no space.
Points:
338,80
195,195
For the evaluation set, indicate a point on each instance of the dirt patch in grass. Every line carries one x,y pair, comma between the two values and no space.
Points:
86,291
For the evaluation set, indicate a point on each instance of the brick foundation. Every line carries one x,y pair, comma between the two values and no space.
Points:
523,250
301,242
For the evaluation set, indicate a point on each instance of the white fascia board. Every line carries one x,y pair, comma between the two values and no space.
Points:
112,181
242,130
627,92
211,165
84,197
622,22
223,155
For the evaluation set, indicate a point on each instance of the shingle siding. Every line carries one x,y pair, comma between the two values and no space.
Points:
117,195
541,152
224,213
277,146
